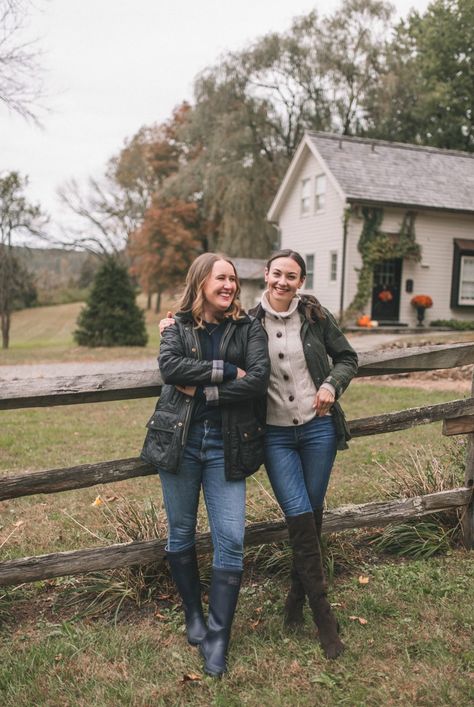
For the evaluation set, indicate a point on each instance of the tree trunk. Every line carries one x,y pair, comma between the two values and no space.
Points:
158,302
5,329
148,300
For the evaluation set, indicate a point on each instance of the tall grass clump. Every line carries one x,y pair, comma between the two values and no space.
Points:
422,472
109,591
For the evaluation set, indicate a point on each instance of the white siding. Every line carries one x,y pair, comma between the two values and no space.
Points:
435,232
315,233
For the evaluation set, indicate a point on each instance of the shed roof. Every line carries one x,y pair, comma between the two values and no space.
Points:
392,173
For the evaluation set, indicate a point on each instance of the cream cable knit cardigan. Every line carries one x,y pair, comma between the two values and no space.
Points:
291,391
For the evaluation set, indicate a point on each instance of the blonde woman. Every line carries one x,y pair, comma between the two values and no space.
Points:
207,433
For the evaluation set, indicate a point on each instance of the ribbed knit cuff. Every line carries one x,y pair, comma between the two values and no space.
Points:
333,382
230,372
330,387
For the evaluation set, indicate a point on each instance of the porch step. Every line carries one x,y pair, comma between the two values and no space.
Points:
391,323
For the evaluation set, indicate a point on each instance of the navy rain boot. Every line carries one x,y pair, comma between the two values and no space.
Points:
223,596
184,570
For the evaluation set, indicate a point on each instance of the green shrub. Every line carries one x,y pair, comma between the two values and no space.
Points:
456,324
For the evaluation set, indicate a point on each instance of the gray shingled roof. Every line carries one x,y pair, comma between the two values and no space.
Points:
394,173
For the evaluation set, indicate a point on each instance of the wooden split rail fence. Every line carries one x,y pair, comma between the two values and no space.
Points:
457,417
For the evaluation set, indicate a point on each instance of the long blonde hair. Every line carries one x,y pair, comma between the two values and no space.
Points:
192,299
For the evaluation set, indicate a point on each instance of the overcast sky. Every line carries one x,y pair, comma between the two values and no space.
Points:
115,65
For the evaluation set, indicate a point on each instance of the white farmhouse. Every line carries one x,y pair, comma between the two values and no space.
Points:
334,182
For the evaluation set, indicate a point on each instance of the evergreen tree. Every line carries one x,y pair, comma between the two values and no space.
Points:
111,316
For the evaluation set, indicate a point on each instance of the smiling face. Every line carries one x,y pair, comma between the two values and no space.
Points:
219,290
283,278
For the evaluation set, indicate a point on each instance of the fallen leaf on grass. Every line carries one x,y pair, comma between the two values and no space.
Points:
363,579
19,523
254,624
191,677
109,499
98,502
360,619
159,616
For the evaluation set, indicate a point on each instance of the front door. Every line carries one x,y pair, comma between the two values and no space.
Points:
386,290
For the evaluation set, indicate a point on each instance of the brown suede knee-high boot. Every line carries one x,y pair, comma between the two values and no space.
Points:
308,562
293,610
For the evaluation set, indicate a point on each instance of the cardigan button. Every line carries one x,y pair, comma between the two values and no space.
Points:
291,398
280,355
286,377
279,334
295,421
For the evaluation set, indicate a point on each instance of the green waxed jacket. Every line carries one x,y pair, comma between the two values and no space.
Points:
323,341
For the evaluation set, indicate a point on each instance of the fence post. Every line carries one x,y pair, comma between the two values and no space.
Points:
468,517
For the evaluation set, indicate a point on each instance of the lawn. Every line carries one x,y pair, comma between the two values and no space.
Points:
46,334
407,626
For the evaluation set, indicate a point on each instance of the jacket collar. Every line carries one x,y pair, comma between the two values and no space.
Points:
187,318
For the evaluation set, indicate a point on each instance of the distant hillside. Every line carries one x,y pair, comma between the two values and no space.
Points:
54,268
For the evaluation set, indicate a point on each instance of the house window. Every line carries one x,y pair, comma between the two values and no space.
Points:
319,192
333,266
305,196
466,280
309,282
462,284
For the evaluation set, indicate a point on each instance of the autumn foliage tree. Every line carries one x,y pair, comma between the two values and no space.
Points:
164,247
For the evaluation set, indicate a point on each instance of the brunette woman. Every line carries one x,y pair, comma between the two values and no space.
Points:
305,427
207,432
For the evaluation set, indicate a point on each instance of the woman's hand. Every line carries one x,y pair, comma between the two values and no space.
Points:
240,373
187,389
323,401
168,321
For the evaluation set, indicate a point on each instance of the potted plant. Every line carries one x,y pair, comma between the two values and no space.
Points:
421,304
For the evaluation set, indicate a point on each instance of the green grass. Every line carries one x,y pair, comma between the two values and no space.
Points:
45,334
414,649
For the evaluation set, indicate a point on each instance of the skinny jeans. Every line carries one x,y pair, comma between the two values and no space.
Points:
203,467
299,460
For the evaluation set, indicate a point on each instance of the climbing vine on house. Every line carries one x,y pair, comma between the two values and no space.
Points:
376,246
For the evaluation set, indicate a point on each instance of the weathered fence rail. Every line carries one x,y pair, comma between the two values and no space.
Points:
457,417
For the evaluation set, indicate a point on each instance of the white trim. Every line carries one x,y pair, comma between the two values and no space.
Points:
273,213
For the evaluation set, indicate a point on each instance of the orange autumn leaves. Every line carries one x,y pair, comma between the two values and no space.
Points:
164,247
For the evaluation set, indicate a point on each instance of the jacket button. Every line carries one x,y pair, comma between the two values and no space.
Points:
193,349
295,421
291,398
279,334
180,424
280,355
245,434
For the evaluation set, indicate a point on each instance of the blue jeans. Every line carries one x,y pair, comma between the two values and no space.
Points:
203,465
299,462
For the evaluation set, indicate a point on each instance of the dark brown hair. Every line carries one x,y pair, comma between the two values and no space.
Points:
311,306
192,299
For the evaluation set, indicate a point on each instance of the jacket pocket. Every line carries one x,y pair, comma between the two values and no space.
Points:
160,438
251,447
